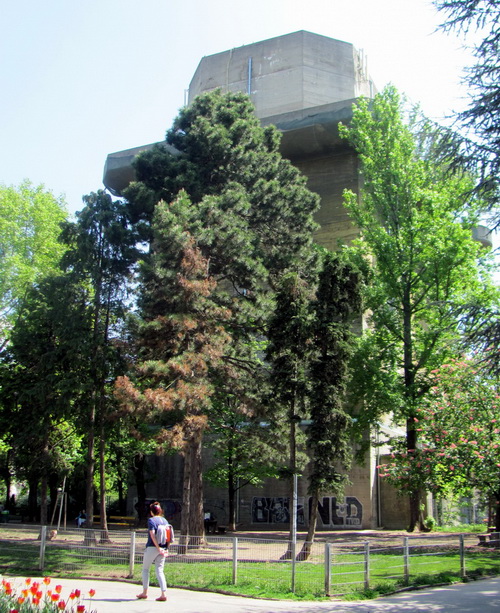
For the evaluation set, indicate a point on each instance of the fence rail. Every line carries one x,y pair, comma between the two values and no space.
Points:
321,568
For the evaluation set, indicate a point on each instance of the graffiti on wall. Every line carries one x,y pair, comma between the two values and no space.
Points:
275,510
333,513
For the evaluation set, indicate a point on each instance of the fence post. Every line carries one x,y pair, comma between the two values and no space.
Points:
235,560
131,554
294,563
367,565
328,568
43,542
406,554
463,572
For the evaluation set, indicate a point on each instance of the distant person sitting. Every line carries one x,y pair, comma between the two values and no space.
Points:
80,520
210,522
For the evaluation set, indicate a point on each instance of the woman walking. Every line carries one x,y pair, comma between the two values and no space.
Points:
160,534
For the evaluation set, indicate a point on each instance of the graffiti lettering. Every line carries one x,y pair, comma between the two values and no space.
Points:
275,510
333,513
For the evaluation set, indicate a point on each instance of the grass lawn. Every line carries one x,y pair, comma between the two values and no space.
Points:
264,579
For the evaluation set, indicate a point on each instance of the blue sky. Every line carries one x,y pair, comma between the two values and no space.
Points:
83,78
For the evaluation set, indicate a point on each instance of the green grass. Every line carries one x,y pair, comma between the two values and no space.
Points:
462,528
263,579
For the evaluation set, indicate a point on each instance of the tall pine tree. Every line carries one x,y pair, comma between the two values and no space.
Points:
247,210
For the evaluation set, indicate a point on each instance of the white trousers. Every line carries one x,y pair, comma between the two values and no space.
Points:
151,555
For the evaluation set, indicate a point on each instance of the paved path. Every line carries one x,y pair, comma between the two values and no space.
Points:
119,597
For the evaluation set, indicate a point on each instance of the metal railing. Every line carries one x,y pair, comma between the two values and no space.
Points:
321,568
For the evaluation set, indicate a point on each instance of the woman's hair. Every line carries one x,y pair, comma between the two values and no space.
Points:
155,508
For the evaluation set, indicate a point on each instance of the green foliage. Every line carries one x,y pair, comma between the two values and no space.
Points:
309,347
40,377
337,302
288,355
430,523
289,348
30,219
243,455
100,260
476,147
459,432
225,215
182,336
476,144
252,212
183,340
415,219
457,527
415,223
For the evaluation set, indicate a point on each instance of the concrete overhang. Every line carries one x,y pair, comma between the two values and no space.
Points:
118,170
483,235
307,132
312,132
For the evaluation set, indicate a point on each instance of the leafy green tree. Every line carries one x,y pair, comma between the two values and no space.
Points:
415,222
244,454
40,372
30,219
459,430
101,254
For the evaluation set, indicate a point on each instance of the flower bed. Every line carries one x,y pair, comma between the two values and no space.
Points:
38,597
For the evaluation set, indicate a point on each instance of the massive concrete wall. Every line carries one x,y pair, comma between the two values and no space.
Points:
267,506
296,71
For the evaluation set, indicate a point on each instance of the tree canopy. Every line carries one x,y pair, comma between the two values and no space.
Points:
476,147
30,218
474,142
416,226
459,431
225,216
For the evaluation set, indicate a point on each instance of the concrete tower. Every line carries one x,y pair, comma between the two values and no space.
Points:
304,84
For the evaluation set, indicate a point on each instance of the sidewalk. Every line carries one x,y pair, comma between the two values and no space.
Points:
120,597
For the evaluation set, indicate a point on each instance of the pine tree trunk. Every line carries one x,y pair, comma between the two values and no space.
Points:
186,502
196,516
140,483
311,531
102,482
89,486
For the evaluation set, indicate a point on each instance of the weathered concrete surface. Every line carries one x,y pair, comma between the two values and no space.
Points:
287,73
